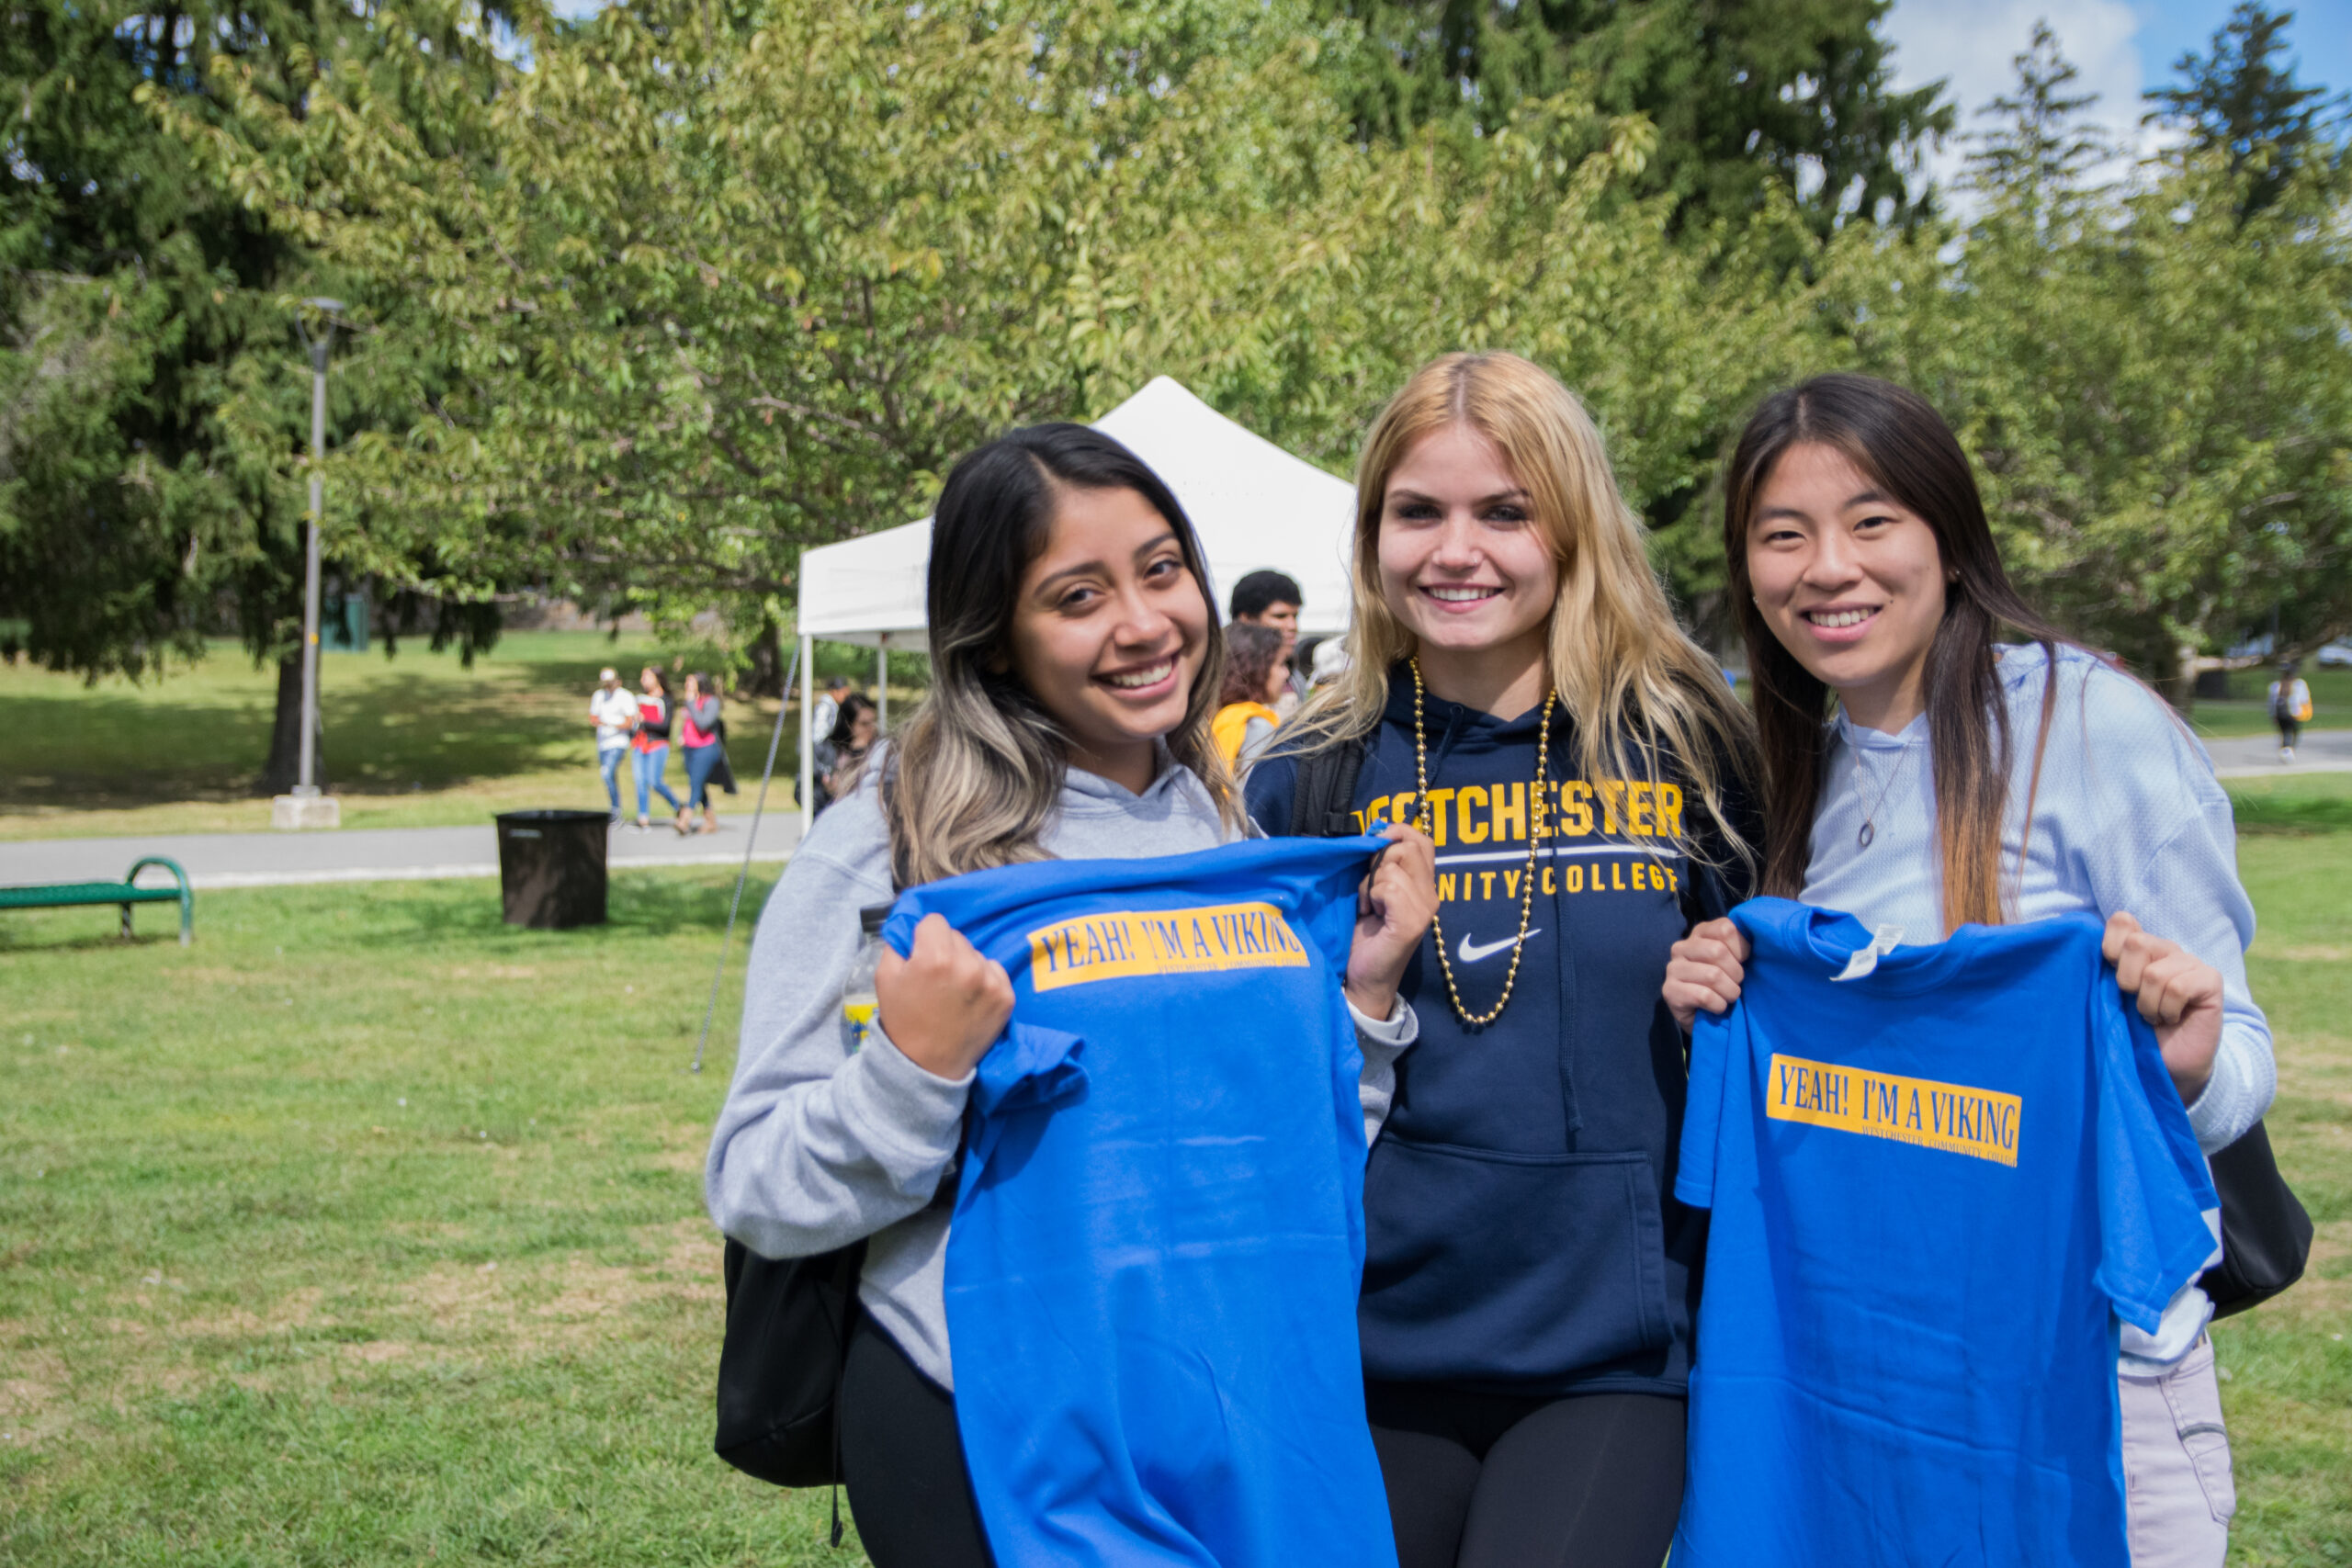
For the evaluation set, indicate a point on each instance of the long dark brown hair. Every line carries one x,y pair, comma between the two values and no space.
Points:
1898,440
980,765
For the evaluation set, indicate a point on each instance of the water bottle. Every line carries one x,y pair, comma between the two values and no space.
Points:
858,1001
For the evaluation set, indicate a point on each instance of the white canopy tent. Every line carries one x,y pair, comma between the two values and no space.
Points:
1253,505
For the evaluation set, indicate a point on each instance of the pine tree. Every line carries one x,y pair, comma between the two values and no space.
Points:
2242,101
2037,157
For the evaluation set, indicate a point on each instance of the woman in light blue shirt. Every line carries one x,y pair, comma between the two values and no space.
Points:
1964,780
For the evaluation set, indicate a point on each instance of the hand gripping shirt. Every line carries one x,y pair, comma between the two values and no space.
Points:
1936,1186
1152,1268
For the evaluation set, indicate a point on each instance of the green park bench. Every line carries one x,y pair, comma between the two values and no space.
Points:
65,895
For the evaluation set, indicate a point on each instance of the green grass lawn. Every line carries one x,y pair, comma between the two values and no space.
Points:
415,741
368,1231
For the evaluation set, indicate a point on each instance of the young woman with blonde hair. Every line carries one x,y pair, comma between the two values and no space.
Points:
1924,775
1076,660
1518,685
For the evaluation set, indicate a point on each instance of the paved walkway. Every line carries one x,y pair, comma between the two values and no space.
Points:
2256,757
383,854
368,854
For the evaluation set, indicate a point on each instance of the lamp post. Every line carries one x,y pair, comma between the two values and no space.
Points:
306,807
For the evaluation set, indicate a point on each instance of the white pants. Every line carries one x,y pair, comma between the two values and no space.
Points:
2176,1482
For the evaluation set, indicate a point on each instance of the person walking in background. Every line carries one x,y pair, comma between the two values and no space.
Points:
1272,599
2291,708
855,729
699,739
652,744
1254,677
614,713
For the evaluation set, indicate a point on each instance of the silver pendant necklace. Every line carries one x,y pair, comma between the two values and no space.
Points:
1869,830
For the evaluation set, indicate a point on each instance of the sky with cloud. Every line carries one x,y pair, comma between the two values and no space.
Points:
2122,47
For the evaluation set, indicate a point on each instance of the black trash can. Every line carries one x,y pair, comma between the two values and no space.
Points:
552,868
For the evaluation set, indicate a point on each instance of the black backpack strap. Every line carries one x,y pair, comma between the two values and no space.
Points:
1322,802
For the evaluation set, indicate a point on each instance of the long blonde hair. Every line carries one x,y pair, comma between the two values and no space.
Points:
975,777
1641,693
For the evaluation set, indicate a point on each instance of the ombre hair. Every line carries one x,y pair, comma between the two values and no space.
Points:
1644,697
975,775
1902,445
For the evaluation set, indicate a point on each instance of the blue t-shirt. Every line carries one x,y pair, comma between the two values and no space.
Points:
1934,1186
1152,1270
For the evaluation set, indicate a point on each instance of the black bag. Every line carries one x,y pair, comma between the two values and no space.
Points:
2266,1235
780,1364
1322,801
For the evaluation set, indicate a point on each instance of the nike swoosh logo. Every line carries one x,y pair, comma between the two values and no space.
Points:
1471,951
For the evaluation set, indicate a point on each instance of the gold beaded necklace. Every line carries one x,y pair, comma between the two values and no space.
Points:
1421,820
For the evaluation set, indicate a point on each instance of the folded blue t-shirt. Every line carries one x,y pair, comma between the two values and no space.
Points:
1936,1186
1157,1239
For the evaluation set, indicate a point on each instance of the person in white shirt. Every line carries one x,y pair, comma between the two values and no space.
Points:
614,713
2291,708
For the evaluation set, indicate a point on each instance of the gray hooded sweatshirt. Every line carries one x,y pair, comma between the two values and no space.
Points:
815,1147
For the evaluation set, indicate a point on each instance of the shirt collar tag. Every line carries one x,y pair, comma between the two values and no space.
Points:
1883,942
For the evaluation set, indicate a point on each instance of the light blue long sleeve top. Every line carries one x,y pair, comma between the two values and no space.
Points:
2127,818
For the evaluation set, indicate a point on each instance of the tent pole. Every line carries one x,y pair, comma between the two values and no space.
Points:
882,685
807,747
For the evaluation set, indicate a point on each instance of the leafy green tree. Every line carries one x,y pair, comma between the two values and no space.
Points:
2241,101
2157,387
728,284
1743,94
154,395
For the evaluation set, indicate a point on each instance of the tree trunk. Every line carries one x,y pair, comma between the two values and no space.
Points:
765,677
283,770
2181,690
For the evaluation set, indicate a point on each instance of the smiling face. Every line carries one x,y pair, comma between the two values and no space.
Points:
1110,629
1467,567
1849,581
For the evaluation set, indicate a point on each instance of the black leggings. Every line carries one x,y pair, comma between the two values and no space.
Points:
1497,1481
902,1461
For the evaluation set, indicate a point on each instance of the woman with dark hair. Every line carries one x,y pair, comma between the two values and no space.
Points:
855,729
1922,774
1075,663
653,743
1255,677
698,732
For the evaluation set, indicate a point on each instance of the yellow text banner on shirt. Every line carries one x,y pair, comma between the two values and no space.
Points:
1119,945
1980,1123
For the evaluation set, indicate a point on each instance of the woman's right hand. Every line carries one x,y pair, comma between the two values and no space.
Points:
1705,970
944,1004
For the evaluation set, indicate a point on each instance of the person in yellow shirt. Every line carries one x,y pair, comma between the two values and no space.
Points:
1255,676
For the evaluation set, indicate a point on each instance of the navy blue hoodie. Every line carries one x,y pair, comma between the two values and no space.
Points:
1521,1235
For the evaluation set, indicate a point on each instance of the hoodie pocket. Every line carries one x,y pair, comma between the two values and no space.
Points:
1486,1266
